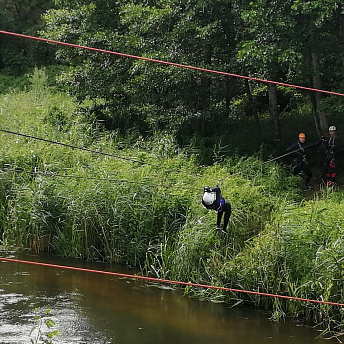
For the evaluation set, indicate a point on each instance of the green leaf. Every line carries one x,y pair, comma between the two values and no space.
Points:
52,334
50,323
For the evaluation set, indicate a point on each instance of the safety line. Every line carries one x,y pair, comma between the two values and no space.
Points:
170,63
74,147
133,160
158,280
92,151
271,160
53,174
161,62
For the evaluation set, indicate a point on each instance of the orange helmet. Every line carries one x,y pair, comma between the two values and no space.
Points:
302,135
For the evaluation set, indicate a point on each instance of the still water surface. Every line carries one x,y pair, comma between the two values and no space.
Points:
99,309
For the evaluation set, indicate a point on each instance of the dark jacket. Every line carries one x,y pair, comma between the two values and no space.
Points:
213,200
299,155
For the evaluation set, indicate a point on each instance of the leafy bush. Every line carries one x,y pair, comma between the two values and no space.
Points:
10,83
148,213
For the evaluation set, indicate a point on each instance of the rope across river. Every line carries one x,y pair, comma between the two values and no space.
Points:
130,159
145,278
158,280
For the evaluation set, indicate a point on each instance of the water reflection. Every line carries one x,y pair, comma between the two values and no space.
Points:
92,308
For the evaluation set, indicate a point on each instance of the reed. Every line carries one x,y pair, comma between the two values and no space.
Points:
277,241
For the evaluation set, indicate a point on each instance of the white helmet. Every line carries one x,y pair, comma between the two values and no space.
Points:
209,198
332,128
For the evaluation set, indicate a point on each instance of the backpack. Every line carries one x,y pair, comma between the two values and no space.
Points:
211,197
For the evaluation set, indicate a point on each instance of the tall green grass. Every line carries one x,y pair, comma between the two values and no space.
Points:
151,215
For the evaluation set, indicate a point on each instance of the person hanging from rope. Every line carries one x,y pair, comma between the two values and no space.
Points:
300,163
212,199
331,148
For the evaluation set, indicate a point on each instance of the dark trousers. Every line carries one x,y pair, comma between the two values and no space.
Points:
303,169
227,210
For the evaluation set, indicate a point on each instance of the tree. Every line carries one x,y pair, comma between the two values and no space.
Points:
269,52
150,96
269,39
22,16
318,24
291,39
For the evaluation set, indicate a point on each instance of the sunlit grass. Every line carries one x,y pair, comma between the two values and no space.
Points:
150,215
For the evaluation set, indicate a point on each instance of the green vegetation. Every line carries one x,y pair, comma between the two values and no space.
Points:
149,214
43,331
288,41
185,130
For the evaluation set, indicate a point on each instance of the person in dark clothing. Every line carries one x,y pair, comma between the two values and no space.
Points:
331,148
213,200
300,163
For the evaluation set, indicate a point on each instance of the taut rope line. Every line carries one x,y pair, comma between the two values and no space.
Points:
158,280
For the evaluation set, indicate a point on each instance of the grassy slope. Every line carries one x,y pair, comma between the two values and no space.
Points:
156,220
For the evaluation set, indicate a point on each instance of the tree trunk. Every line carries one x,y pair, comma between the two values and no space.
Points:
317,108
315,115
341,26
318,113
205,93
341,33
253,111
274,111
1,59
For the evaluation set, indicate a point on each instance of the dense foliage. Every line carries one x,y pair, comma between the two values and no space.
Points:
148,213
184,130
290,41
22,16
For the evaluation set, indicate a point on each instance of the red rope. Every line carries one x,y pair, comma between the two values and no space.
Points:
170,281
192,68
170,63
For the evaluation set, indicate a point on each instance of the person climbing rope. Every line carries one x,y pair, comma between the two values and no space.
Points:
331,148
212,199
300,163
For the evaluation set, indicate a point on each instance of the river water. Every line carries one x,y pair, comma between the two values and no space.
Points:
93,308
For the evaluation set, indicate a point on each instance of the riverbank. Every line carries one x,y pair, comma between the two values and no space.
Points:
147,212
89,308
